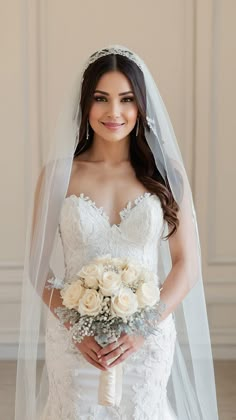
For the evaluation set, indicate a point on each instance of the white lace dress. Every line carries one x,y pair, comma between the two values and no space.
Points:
73,382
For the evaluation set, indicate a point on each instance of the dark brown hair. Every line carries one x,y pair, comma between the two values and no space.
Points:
141,156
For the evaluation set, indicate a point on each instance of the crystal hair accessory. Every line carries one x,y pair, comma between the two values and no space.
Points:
112,50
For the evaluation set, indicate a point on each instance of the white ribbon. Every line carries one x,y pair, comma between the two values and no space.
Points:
110,386
110,381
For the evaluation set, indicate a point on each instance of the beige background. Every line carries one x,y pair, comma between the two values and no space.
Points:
189,47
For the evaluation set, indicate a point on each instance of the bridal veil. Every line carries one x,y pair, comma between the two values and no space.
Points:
191,387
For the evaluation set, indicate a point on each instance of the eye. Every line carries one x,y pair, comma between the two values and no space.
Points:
128,99
104,99
99,98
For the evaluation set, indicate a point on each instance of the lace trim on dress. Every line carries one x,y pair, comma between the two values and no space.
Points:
123,213
126,210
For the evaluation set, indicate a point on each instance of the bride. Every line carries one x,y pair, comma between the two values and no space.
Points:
114,183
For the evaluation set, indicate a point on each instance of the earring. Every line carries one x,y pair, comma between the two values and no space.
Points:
87,130
137,127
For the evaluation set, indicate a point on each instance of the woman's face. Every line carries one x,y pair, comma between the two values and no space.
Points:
114,111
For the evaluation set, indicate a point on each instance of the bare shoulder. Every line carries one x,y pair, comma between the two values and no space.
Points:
81,163
81,170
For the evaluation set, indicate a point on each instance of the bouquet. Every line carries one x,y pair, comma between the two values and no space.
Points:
106,297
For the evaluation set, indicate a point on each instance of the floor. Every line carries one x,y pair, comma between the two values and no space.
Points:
225,374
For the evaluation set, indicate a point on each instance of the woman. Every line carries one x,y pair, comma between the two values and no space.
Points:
123,192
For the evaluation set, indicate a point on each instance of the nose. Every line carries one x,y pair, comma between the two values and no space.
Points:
114,109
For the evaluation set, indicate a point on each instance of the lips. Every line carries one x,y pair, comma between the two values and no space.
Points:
112,125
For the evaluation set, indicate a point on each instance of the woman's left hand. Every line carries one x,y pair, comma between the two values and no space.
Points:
120,349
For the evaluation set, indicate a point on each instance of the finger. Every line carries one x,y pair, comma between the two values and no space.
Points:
93,356
90,343
94,345
92,362
115,353
110,347
85,349
121,358
92,350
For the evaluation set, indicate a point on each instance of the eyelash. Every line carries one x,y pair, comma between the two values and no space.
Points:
97,98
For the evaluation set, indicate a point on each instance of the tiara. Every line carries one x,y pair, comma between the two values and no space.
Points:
114,50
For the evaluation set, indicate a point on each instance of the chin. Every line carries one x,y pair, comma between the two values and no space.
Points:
113,136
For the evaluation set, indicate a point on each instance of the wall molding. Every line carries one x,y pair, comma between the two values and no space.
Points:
218,280
219,293
223,343
212,258
189,76
219,260
11,265
32,88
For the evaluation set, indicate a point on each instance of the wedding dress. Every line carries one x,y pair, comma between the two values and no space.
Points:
86,232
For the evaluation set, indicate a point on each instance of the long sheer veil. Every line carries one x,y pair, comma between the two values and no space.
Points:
191,388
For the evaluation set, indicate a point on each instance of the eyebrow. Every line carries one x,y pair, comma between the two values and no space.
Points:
107,94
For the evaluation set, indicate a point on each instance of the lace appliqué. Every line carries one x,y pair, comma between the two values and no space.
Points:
93,204
154,361
123,213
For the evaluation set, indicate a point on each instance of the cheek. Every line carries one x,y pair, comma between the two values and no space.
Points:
132,113
94,112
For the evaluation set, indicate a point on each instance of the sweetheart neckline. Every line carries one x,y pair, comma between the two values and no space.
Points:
123,213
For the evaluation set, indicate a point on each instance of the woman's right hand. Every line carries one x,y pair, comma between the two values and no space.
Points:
89,349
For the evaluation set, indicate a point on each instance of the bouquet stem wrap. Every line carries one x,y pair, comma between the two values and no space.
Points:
110,386
110,381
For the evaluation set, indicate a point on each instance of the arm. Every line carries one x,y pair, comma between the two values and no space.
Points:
185,265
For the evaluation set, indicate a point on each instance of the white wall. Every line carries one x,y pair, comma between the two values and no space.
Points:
188,46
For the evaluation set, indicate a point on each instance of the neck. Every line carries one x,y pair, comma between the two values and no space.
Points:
109,152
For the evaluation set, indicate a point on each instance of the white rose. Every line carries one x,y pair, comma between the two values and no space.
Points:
147,294
110,283
148,276
124,304
130,274
91,282
72,294
90,303
120,263
91,274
